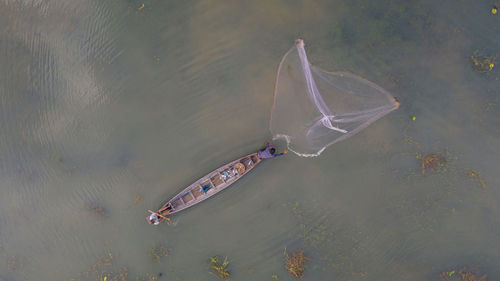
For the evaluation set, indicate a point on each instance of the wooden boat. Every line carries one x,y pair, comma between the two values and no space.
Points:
206,187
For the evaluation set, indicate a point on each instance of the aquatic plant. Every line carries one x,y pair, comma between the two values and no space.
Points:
219,269
158,252
295,263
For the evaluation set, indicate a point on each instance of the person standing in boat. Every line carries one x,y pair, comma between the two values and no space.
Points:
157,217
154,219
269,152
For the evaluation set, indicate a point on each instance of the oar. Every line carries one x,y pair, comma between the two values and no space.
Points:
158,214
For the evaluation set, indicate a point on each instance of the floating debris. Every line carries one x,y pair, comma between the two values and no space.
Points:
482,63
158,252
219,269
295,263
275,277
141,7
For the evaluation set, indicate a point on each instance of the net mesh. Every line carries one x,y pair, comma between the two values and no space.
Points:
314,109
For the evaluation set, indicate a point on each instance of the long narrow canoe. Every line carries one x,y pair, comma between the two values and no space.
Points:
209,185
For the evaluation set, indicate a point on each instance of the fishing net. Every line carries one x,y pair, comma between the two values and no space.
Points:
314,109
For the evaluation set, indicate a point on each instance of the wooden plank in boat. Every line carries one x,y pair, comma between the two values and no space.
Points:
197,191
217,180
178,203
186,198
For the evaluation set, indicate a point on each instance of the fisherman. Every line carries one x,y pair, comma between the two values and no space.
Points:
154,219
269,152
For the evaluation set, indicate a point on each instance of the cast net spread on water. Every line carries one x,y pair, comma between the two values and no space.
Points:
314,109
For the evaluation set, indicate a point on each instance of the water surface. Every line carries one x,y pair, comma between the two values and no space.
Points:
108,109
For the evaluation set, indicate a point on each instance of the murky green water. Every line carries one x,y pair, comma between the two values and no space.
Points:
108,109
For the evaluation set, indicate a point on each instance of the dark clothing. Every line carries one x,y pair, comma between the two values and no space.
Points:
266,153
205,188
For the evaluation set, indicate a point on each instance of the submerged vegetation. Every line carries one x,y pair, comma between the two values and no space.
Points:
219,269
295,263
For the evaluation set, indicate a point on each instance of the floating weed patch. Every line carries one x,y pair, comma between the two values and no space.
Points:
483,63
468,276
462,275
431,162
295,263
219,269
158,252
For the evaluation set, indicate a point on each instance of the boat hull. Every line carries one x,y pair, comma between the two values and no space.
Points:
210,184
